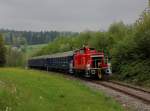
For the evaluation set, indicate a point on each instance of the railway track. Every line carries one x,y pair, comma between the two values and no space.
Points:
135,92
131,86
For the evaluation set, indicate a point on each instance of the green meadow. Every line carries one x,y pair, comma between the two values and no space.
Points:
31,90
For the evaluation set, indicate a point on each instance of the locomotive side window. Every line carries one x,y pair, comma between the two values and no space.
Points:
92,48
82,51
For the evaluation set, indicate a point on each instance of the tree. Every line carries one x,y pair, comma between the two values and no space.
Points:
15,57
2,52
142,37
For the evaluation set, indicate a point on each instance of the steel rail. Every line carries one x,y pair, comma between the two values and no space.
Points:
130,86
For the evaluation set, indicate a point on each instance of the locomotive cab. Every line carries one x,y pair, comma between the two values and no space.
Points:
100,66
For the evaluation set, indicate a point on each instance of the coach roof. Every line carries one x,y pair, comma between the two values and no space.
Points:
56,55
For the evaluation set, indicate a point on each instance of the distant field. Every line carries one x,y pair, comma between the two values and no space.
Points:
31,49
29,90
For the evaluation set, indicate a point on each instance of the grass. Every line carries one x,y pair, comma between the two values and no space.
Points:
29,90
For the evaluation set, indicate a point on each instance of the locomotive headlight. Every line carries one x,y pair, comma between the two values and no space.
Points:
108,71
88,66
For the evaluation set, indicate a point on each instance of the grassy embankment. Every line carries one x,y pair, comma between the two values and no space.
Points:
28,90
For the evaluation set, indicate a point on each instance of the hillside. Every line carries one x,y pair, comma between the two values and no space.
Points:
29,90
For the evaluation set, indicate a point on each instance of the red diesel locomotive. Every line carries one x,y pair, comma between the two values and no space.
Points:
91,63
85,62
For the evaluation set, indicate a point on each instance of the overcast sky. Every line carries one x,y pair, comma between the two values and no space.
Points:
67,15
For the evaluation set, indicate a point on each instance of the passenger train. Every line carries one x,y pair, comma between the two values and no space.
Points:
86,62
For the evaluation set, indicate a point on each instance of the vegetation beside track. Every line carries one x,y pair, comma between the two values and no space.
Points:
29,90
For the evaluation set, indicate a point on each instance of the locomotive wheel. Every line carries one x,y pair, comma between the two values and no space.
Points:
105,77
102,76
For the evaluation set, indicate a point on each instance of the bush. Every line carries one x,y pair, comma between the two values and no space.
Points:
137,72
15,58
131,56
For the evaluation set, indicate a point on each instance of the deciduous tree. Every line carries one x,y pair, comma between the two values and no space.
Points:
2,52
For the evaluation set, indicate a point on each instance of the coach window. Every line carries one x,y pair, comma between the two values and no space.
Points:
61,60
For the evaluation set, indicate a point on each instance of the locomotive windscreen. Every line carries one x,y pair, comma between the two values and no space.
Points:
95,61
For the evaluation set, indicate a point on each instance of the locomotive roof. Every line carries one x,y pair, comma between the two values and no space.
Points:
56,55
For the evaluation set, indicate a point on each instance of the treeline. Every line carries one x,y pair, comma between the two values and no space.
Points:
128,46
101,40
31,38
